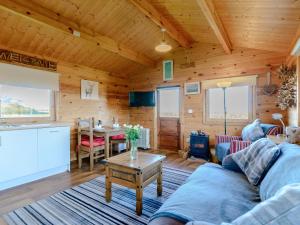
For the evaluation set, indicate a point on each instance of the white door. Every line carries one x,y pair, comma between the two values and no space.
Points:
53,147
18,154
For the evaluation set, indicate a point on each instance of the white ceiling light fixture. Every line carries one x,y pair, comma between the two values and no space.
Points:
163,46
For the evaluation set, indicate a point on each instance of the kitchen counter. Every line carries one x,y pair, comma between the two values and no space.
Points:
25,126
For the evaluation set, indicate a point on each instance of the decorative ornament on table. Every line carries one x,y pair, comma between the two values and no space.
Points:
287,92
132,134
269,88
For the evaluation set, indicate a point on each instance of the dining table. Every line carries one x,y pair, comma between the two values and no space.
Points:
107,132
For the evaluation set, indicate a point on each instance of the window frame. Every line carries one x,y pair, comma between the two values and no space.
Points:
51,118
251,107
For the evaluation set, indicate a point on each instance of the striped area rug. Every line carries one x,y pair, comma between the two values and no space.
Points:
85,204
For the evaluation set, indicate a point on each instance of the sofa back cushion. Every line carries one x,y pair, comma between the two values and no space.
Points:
257,159
286,170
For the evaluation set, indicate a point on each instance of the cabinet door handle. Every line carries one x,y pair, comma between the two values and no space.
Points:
0,141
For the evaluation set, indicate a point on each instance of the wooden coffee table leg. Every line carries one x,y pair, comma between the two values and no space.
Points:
107,185
139,193
159,181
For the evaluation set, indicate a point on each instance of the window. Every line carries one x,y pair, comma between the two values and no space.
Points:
24,102
169,102
238,104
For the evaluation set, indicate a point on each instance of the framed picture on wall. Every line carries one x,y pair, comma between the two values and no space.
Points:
168,69
192,88
89,90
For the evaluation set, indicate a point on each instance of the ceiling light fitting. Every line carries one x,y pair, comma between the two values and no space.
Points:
163,46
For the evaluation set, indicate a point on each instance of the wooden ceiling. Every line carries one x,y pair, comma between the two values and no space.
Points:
119,35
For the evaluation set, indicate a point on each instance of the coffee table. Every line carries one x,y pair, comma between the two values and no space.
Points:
135,174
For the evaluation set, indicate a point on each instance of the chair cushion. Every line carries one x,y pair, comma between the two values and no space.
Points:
257,159
97,141
211,194
118,137
286,170
283,208
252,131
237,145
222,150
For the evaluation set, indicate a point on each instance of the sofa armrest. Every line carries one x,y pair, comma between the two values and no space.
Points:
237,145
226,138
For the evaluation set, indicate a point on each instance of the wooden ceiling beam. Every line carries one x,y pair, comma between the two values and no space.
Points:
215,23
160,20
54,20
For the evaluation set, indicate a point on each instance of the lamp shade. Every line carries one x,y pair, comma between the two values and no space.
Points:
224,84
277,116
163,47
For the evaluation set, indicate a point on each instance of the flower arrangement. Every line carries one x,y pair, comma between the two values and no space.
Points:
132,134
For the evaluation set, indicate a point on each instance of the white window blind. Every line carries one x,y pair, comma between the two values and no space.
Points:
27,77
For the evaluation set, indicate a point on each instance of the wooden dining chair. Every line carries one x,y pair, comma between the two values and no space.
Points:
117,139
89,145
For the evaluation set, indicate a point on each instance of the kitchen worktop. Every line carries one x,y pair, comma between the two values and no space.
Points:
24,126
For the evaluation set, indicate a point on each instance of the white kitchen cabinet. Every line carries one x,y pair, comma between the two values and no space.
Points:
34,153
18,154
52,145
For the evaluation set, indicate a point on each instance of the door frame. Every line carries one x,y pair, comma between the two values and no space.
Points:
156,116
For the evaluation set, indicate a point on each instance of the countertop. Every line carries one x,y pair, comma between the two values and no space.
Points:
25,126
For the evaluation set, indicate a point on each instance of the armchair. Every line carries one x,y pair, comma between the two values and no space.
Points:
226,144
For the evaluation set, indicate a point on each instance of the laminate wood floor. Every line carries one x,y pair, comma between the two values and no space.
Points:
25,194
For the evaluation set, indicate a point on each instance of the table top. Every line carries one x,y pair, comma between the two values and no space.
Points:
277,139
143,160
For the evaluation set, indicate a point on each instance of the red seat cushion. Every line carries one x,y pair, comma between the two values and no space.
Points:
118,137
97,141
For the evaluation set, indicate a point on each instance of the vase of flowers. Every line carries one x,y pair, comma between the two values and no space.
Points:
132,134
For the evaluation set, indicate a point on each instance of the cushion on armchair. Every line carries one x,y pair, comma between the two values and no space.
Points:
256,160
253,131
237,145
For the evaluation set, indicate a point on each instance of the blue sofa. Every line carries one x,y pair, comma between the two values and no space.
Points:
223,149
213,194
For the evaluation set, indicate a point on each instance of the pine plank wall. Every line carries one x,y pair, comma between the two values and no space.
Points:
211,62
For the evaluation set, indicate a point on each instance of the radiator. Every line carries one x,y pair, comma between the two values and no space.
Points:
144,140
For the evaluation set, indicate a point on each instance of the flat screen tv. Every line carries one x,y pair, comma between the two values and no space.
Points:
142,98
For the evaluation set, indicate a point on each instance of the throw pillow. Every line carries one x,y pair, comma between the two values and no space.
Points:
257,159
237,145
252,131
229,164
283,208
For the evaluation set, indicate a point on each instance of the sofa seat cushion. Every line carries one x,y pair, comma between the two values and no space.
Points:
222,150
211,194
286,170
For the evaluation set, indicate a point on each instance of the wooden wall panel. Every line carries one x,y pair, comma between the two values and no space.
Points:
113,101
211,62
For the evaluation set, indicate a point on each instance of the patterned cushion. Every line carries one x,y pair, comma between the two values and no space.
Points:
229,164
282,209
236,145
253,131
257,159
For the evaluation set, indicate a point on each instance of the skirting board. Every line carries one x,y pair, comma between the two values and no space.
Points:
33,177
